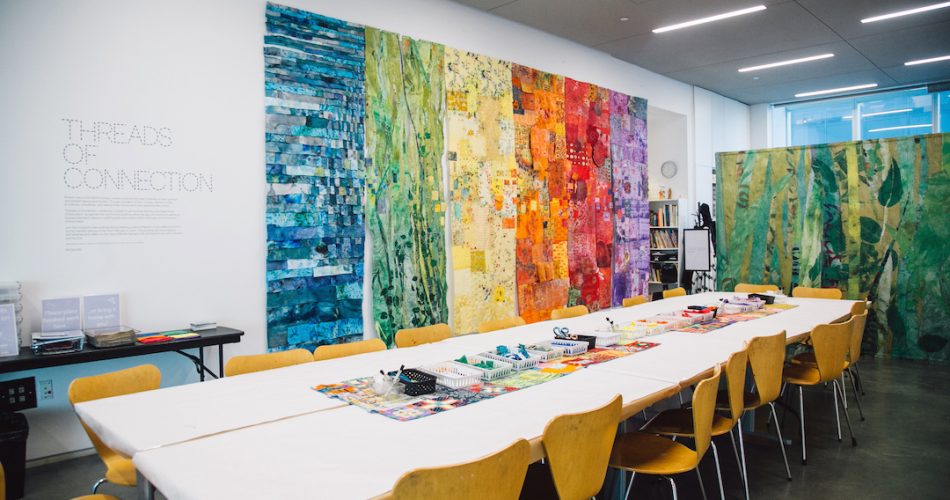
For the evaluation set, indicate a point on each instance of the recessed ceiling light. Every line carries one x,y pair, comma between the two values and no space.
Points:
838,90
922,125
786,63
709,19
892,112
907,12
624,19
925,61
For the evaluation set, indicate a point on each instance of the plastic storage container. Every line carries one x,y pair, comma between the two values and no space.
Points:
518,364
453,375
499,368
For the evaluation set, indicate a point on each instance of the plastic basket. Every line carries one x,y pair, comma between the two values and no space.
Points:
453,375
571,347
501,368
419,382
517,364
546,350
605,339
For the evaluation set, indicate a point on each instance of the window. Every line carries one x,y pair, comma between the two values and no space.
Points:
872,116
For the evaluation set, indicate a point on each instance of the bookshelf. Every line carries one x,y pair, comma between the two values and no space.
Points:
667,220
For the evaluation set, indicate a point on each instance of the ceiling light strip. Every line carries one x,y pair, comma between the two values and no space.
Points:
925,61
907,12
710,19
786,63
836,91
922,125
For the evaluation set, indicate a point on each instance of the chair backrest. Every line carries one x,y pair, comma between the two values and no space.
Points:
118,383
496,476
408,337
675,292
735,383
578,448
831,342
635,300
324,352
750,288
859,307
500,324
239,365
816,293
704,406
569,312
767,359
857,336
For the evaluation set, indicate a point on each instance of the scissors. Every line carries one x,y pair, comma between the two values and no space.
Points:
563,332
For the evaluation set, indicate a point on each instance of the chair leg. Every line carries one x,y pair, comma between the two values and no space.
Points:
844,389
857,372
847,417
745,472
722,493
837,417
673,485
781,442
857,397
96,486
740,463
801,408
630,486
768,420
701,487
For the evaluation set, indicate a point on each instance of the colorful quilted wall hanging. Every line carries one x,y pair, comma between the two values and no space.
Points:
315,179
405,205
867,217
628,156
483,187
541,153
590,224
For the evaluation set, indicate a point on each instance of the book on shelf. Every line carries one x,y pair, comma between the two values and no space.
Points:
664,238
665,215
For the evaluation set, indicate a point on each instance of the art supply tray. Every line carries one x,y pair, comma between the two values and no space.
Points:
416,383
546,350
605,339
518,364
453,375
571,347
500,368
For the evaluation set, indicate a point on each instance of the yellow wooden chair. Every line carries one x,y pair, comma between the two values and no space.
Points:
674,292
816,293
651,454
498,476
578,448
766,358
325,352
831,343
635,300
500,324
409,337
239,365
569,312
119,470
750,288
679,422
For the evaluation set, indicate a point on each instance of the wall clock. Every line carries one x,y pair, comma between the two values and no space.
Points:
668,169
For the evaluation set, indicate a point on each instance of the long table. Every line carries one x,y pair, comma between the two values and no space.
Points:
269,434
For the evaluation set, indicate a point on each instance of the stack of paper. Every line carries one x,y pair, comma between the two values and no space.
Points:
111,336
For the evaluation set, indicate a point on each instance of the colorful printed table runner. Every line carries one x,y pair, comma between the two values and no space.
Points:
728,319
359,391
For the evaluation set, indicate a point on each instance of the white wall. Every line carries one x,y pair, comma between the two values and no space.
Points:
721,125
197,68
668,141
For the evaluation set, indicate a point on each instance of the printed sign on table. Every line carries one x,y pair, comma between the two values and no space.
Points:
101,311
61,315
9,342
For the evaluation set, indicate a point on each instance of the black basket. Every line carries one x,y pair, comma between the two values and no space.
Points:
769,299
421,383
590,339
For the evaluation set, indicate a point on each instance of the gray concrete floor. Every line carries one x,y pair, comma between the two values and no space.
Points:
903,448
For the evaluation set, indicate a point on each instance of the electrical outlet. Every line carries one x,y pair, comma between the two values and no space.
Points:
46,389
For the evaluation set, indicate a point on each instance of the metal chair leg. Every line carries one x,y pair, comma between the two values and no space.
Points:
857,397
847,417
801,408
722,493
673,484
701,487
837,417
857,372
740,464
843,389
630,486
95,487
781,442
745,472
